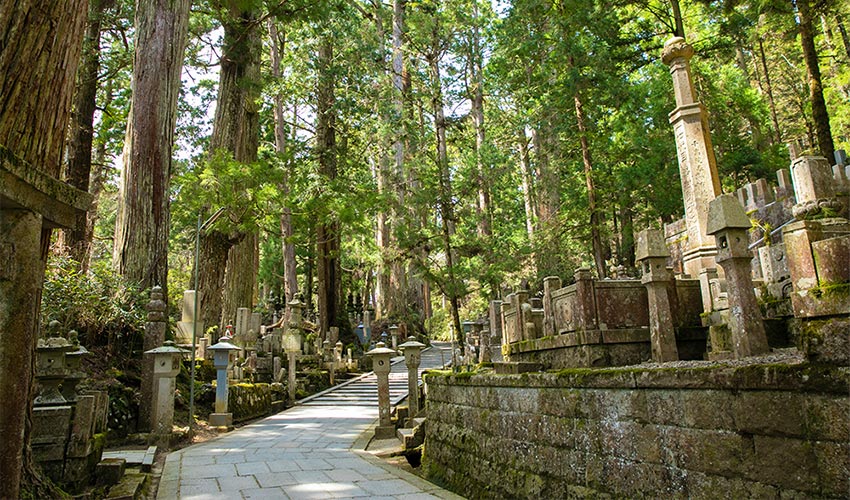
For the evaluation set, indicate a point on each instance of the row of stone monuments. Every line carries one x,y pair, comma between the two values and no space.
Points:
69,426
708,281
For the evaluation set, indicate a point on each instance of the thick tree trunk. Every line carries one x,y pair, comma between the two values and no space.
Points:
140,253
240,277
236,134
810,56
77,241
547,190
592,205
212,259
327,230
42,40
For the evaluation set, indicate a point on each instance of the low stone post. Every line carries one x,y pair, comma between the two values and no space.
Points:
221,359
728,223
484,355
394,336
166,366
412,359
381,366
651,255
338,354
328,359
550,284
586,302
154,337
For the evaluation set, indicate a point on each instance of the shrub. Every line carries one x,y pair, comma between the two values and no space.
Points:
99,304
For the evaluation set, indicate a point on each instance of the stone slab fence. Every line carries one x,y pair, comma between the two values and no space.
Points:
595,323
723,432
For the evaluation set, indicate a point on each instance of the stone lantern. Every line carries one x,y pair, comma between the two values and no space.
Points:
412,358
221,358
296,309
728,223
51,370
292,344
651,255
381,365
394,336
166,366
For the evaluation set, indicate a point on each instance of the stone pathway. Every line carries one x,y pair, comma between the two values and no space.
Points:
313,450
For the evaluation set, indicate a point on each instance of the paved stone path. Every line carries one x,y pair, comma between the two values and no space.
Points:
313,450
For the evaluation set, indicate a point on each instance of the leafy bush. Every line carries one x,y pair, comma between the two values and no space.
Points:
99,304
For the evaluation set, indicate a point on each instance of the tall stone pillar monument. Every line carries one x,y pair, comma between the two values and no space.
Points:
697,165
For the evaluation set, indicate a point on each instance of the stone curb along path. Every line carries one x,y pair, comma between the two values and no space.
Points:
314,450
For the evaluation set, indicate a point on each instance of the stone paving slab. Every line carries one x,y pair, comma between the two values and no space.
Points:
305,452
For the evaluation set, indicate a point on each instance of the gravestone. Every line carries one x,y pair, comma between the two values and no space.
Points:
697,164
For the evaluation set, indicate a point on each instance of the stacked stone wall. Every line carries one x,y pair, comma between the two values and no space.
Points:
721,432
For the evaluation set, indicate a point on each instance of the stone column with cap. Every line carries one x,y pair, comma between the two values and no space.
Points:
697,164
221,359
381,366
166,361
651,255
412,359
154,337
728,222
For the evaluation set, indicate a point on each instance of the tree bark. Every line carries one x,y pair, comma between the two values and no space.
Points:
677,18
212,259
78,240
327,230
240,290
595,215
236,133
769,89
42,41
445,201
140,251
527,183
290,277
477,112
820,116
844,37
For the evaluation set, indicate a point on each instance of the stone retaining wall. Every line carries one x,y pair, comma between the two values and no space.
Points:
710,432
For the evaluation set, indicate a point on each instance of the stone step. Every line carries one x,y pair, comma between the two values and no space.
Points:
147,461
130,487
410,438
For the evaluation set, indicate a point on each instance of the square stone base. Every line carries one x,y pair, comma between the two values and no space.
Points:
384,431
221,419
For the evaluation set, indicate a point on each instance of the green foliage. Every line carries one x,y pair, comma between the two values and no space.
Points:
100,305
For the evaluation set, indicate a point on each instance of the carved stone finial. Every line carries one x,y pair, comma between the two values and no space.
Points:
156,307
676,48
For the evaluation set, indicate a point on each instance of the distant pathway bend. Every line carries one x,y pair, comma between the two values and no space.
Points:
305,452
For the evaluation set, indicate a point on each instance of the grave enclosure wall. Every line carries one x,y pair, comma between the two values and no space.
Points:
722,432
